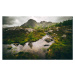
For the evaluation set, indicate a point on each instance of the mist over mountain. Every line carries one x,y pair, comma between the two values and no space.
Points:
33,23
11,21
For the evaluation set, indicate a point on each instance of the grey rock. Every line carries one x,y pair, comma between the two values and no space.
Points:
30,44
48,39
46,45
16,44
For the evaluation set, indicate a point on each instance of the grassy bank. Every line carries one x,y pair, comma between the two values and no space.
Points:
21,36
62,48
21,56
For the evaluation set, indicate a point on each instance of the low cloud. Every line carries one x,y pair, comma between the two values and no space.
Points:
63,18
7,20
10,21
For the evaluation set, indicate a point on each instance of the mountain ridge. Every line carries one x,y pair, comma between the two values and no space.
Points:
32,23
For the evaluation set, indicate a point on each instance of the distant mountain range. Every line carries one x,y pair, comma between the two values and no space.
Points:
32,23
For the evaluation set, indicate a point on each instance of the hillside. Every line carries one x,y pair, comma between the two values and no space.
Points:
61,33
33,24
30,23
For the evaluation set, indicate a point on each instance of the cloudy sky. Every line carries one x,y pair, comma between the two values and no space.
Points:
10,21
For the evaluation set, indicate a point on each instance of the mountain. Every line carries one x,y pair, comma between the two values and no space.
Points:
30,23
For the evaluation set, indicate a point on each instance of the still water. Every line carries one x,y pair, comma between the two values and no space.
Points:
39,47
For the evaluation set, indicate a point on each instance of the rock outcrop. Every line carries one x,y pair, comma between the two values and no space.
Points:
30,23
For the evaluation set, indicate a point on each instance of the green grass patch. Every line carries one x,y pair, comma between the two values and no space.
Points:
21,36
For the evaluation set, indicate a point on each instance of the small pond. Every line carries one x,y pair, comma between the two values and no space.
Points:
39,47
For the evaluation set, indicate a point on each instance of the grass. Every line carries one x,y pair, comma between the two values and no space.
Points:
9,47
62,48
21,36
21,55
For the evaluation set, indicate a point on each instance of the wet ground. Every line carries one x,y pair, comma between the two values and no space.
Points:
39,47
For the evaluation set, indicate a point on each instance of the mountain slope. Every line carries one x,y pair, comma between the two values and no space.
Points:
30,23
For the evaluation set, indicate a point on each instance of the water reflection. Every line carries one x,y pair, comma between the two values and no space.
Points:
30,44
39,47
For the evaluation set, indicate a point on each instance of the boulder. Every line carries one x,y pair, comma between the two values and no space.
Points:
16,44
48,39
29,29
46,45
50,31
30,44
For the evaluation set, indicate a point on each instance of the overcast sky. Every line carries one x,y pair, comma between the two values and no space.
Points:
10,21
